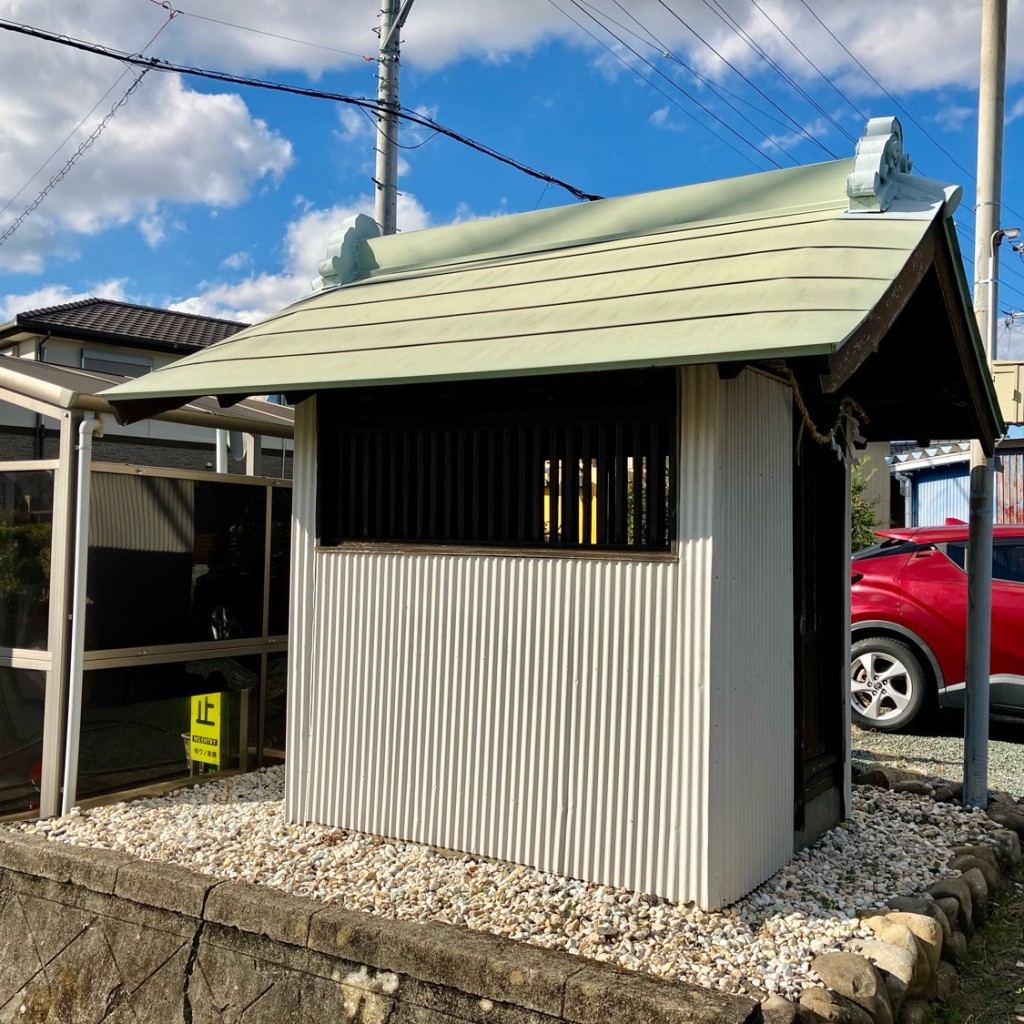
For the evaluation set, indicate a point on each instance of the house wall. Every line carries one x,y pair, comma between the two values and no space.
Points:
589,716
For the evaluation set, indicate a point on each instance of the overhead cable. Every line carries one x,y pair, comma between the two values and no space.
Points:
782,32
171,15
651,40
156,64
671,82
796,124
731,23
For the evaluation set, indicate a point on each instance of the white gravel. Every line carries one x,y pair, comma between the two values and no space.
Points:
893,844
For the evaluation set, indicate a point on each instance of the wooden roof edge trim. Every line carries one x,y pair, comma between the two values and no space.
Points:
865,340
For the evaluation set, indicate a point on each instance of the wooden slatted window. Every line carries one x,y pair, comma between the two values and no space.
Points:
581,461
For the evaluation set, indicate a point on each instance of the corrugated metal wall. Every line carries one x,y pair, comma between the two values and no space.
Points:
942,492
1010,488
752,710
557,711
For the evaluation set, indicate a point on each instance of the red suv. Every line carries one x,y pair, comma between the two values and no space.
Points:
909,615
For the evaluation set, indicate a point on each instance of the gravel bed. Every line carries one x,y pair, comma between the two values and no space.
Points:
893,844
941,756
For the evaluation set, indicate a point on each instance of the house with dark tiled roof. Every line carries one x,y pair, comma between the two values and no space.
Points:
122,339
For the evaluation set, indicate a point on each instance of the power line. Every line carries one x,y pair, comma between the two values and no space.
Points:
796,124
156,64
666,51
171,15
674,84
72,160
263,32
737,29
853,106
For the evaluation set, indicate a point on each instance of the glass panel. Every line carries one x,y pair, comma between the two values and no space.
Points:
280,558
21,738
229,554
26,516
1008,562
152,723
275,711
174,561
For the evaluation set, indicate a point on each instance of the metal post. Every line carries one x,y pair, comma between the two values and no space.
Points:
392,18
86,429
991,101
61,583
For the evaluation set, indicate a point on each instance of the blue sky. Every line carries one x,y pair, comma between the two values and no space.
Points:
220,199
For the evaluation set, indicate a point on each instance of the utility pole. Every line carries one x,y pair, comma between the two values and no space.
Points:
392,17
991,102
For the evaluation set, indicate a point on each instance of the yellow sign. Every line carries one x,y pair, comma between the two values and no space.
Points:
205,730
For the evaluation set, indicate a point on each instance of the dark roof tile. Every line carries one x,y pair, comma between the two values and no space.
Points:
125,322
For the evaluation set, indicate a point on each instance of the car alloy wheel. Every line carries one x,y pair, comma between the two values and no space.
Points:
887,684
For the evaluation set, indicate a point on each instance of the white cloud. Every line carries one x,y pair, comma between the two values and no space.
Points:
355,124
237,260
304,246
789,140
663,119
57,295
952,118
166,144
1017,110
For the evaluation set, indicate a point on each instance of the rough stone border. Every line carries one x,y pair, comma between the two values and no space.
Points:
894,977
389,971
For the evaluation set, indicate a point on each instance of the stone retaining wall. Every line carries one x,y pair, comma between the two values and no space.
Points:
92,935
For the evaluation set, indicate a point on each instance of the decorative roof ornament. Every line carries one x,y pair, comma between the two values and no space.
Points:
342,263
882,179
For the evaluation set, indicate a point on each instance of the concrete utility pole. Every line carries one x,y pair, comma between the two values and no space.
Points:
392,17
991,102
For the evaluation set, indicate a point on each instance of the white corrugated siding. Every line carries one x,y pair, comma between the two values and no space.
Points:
752,712
551,711
302,615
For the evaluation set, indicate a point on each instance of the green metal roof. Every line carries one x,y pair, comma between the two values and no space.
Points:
765,266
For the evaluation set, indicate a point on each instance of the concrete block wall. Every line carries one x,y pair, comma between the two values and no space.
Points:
92,935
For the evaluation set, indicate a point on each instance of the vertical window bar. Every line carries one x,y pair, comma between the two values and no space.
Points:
554,496
421,490
639,488
433,473
621,487
655,504
535,485
604,485
350,498
520,476
447,481
505,488
491,457
571,488
409,489
476,529
463,485
587,533
378,512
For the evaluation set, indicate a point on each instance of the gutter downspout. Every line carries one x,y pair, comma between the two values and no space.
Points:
89,427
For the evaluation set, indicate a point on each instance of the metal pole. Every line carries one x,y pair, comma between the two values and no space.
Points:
86,429
991,101
385,209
